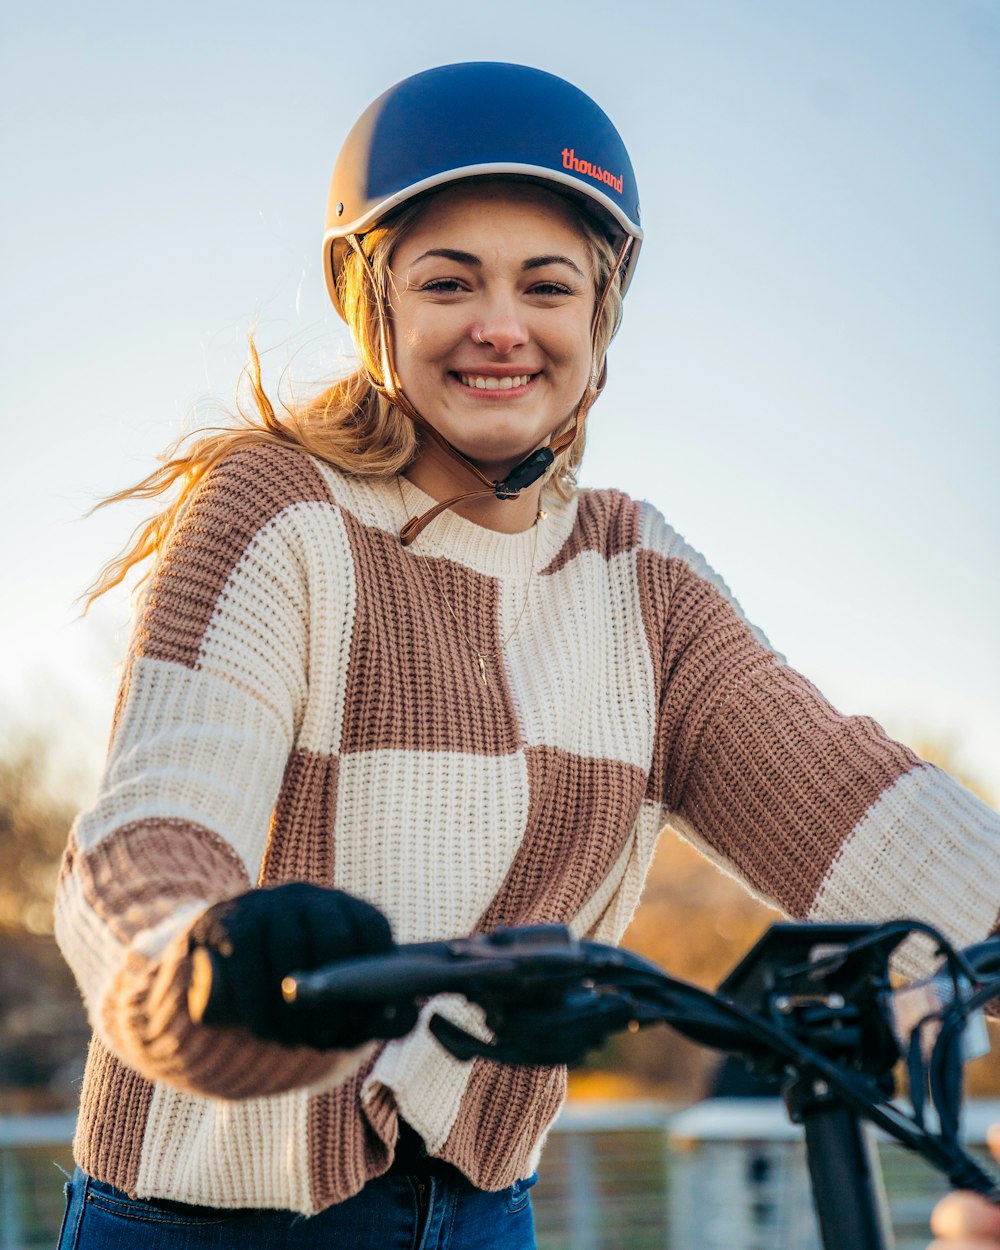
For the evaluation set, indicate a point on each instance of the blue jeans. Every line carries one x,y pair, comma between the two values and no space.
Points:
439,1211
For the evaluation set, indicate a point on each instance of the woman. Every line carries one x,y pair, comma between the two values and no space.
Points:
390,653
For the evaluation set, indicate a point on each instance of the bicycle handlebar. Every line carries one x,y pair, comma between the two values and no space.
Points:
813,1001
509,959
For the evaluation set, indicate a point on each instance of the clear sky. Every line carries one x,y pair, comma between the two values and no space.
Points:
807,381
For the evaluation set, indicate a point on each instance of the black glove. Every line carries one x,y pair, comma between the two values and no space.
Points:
245,946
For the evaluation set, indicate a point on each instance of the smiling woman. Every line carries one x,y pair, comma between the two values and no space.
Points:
494,293
394,677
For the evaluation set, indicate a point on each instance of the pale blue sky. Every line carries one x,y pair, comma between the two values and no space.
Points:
806,383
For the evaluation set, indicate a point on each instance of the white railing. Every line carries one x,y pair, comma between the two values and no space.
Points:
728,1173
30,1186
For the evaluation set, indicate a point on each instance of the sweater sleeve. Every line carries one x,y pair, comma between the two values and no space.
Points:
211,699
821,814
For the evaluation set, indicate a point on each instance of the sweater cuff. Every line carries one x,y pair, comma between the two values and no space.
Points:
927,848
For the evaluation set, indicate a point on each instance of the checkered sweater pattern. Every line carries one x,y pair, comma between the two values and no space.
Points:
299,704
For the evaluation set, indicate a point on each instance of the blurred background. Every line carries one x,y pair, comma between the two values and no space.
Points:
806,383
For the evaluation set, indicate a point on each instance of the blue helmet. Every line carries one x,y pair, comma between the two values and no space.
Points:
473,120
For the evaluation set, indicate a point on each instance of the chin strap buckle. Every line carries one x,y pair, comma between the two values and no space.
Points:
524,474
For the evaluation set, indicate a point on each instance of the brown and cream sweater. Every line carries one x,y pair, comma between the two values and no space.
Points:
299,704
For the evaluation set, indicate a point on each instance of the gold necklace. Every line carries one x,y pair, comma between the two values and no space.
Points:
482,656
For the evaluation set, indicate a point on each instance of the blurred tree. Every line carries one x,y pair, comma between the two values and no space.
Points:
33,827
43,1028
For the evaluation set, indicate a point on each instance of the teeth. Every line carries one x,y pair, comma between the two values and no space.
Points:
493,384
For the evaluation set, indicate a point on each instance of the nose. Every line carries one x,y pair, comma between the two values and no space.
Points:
502,329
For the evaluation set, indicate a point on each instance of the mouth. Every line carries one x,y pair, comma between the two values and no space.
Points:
488,382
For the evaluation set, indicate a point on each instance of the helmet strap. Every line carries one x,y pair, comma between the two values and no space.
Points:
534,465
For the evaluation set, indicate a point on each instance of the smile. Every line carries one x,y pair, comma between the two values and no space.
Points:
481,383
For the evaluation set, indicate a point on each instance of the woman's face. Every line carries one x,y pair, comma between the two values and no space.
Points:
492,302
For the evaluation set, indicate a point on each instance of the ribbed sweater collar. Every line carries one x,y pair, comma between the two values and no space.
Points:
485,550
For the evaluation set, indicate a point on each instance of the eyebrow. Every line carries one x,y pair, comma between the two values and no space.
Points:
539,262
468,258
449,253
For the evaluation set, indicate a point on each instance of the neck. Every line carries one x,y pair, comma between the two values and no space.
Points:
437,475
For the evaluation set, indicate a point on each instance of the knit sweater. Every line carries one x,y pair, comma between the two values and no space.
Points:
300,703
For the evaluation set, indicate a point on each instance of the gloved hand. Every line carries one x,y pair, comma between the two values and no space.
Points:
561,1031
245,946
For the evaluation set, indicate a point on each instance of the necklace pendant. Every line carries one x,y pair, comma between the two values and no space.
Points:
482,667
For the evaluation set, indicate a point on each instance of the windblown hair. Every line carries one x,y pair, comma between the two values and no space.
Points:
349,423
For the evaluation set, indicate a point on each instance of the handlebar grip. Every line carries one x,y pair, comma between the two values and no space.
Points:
507,960
402,975
377,979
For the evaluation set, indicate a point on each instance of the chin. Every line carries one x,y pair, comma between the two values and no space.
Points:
498,462
511,449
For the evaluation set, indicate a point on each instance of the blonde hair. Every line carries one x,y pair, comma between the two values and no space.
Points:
350,423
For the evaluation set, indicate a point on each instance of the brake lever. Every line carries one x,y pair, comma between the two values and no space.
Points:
560,1032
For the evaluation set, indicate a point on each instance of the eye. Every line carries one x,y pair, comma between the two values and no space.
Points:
550,288
445,286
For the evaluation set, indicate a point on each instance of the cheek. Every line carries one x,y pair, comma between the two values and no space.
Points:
581,353
419,346
411,357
